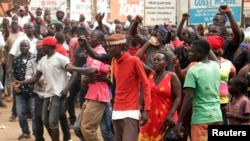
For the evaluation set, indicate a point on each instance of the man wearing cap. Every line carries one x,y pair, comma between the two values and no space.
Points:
53,66
129,74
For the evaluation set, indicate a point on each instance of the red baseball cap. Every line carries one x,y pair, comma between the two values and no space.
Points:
51,41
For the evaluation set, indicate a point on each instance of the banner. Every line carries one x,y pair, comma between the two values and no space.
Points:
84,7
159,11
203,11
53,5
120,9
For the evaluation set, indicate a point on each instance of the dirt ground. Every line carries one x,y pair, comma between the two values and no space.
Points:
9,131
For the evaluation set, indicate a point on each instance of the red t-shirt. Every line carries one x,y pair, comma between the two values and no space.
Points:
129,74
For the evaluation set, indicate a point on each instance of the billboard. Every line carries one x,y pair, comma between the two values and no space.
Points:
159,11
84,7
120,9
202,12
53,5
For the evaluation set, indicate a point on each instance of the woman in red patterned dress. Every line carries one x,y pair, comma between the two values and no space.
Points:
166,97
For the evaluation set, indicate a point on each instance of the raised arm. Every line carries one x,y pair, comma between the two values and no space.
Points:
93,54
235,27
151,42
99,18
133,30
32,17
185,17
8,12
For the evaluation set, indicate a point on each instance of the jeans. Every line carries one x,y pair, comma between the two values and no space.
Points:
21,102
52,109
105,125
38,117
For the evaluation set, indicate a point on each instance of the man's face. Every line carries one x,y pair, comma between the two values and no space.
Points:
38,12
14,25
60,15
22,12
24,47
29,29
114,50
194,54
219,20
93,39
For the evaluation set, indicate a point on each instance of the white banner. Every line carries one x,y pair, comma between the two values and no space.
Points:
159,11
78,7
53,5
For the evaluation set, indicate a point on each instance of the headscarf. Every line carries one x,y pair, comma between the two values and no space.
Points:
215,42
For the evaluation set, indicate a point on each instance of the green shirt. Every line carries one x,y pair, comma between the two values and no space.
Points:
205,79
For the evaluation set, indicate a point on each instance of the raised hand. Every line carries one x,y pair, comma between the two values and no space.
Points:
153,41
200,29
99,17
138,19
185,16
224,9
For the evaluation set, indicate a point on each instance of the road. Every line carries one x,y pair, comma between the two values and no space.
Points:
9,131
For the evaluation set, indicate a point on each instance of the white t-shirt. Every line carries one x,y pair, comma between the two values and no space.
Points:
54,73
15,49
23,20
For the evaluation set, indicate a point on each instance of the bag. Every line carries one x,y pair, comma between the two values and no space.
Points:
171,135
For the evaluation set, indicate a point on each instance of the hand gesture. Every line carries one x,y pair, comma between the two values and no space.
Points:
167,24
169,121
16,84
154,41
6,22
200,29
185,49
138,19
185,16
144,118
64,94
224,9
99,17
82,38
40,83
85,80
180,130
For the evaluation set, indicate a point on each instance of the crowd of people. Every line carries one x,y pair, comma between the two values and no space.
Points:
129,79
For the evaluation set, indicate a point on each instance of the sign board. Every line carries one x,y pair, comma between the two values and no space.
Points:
203,11
120,9
159,11
78,7
53,5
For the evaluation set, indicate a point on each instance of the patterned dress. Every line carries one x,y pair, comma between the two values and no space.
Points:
161,105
